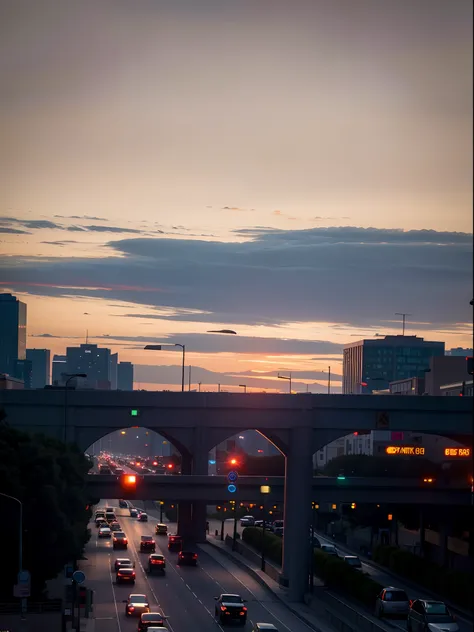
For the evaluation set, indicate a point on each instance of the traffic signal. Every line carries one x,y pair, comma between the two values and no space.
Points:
129,483
233,461
428,480
353,505
470,365
390,517
82,596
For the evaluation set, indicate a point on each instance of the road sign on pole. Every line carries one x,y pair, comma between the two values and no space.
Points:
78,577
231,488
232,476
24,577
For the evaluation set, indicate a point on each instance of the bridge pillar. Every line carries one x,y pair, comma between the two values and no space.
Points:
200,467
185,527
298,489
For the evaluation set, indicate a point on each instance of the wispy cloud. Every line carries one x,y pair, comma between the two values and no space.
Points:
89,217
13,231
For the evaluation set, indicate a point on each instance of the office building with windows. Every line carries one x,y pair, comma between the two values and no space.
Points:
58,370
370,365
113,371
125,376
12,334
40,367
92,360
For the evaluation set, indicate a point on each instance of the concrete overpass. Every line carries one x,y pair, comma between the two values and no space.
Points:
298,425
213,489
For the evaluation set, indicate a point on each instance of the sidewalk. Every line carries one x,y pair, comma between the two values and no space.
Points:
323,612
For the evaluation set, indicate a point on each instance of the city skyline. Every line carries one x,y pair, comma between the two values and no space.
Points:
298,174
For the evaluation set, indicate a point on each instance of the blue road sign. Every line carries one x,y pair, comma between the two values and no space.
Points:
78,577
232,476
231,488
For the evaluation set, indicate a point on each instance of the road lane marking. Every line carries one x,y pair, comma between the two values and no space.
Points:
113,595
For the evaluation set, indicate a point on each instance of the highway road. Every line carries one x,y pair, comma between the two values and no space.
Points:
385,579
184,594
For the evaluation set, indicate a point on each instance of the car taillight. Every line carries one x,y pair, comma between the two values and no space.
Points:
125,540
223,608
195,556
244,608
131,607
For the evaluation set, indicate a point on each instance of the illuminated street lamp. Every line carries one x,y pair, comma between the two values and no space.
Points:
264,490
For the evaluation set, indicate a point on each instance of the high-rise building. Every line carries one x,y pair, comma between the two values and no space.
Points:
92,360
113,371
24,372
370,365
12,333
40,367
59,368
125,376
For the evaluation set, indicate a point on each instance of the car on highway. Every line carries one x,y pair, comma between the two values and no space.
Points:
125,575
392,602
277,524
259,523
147,544
142,517
123,562
133,512
353,561
151,620
161,529
104,532
156,563
175,542
119,470
101,522
187,558
329,549
110,517
136,605
430,615
123,503
115,526
99,514
120,540
264,627
247,521
230,607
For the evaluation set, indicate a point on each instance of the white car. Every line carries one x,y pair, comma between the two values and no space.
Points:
392,602
428,614
247,521
105,532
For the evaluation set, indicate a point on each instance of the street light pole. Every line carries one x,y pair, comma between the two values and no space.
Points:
329,380
286,377
244,386
176,344
264,490
20,547
69,376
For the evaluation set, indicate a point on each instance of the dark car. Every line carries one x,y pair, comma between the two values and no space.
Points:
125,575
123,503
136,604
133,512
161,529
150,620
115,526
188,558
156,563
430,614
147,544
175,542
142,517
120,540
229,608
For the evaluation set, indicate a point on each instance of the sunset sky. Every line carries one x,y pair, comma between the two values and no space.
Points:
295,170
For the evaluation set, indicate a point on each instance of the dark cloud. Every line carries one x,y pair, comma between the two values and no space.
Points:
215,343
13,231
89,217
30,223
112,229
360,276
66,242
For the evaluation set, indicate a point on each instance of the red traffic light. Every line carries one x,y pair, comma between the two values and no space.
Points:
128,480
233,461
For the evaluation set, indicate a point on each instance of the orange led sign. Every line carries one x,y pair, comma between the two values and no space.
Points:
405,450
457,452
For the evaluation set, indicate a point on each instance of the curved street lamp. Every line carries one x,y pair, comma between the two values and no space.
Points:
176,344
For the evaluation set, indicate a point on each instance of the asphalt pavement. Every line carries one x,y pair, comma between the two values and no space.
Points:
185,594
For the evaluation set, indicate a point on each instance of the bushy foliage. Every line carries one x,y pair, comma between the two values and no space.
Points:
48,477
454,586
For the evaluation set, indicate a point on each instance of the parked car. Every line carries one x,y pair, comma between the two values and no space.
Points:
392,602
247,521
428,614
353,561
329,549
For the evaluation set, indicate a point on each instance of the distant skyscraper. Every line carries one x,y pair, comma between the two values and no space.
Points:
113,371
40,367
12,333
92,360
125,376
370,365
59,367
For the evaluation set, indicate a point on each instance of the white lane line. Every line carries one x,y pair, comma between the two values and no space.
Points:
256,598
113,595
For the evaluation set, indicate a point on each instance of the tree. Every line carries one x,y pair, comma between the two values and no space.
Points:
48,477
